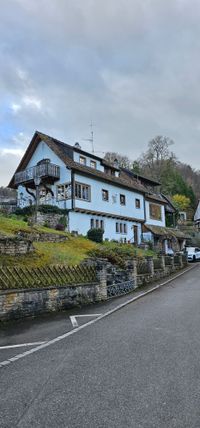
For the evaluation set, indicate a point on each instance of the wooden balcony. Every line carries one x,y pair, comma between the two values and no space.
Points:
47,172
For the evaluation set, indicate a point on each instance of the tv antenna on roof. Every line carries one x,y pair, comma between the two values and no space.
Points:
91,139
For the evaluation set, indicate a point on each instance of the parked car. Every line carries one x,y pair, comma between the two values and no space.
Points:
193,254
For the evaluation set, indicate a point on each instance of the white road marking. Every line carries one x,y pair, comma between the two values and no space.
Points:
21,345
75,322
106,314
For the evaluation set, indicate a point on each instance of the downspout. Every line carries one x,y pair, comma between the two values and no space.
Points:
145,216
72,197
73,190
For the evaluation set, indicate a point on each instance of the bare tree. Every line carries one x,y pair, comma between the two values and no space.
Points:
157,157
124,161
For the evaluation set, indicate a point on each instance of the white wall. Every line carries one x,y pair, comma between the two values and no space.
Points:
44,152
88,159
111,207
149,220
81,223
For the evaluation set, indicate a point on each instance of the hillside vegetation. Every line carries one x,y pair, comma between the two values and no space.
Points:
160,163
71,252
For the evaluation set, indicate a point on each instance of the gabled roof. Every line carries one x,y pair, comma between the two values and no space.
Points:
65,153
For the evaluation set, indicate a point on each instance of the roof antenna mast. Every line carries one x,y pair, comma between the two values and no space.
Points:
91,139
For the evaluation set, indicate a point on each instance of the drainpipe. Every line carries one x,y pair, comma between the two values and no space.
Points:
73,190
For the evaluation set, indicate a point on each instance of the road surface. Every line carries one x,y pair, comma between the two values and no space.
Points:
137,367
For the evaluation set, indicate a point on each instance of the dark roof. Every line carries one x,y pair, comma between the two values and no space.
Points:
147,180
170,208
65,153
155,197
165,231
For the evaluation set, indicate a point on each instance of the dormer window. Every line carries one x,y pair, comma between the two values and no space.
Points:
82,160
93,164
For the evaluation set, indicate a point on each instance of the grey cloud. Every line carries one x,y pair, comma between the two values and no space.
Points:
131,66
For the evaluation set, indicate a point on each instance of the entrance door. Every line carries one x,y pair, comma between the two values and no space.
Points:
135,232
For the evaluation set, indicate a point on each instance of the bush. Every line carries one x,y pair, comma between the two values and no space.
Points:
109,254
45,209
95,235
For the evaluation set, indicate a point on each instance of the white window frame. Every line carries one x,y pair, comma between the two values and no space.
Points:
83,189
66,191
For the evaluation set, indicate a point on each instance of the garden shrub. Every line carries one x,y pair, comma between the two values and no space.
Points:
45,209
60,227
95,235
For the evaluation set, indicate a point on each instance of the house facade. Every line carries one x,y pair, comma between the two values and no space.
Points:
197,216
94,193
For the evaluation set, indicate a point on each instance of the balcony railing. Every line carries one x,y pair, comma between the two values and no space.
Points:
46,170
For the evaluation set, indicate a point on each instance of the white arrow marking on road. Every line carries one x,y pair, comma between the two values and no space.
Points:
20,345
74,321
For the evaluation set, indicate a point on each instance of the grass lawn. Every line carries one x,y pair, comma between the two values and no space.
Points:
10,225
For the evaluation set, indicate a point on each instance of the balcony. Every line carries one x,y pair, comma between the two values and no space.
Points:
47,172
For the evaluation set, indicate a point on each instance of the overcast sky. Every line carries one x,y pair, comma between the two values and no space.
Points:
130,66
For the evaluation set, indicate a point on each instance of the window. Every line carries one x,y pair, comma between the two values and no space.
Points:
121,228
83,191
96,224
137,203
102,224
122,199
93,164
105,196
155,212
63,191
82,160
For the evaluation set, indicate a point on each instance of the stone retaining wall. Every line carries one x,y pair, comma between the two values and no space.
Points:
46,219
29,302
15,246
42,237
21,303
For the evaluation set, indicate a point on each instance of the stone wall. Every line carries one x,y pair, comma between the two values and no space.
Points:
43,236
46,219
30,302
15,246
21,303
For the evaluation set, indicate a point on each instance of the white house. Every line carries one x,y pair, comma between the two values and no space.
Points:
93,192
197,216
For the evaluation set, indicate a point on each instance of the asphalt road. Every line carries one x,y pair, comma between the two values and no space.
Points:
138,367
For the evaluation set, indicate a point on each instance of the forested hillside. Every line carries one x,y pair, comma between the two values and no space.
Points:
159,162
